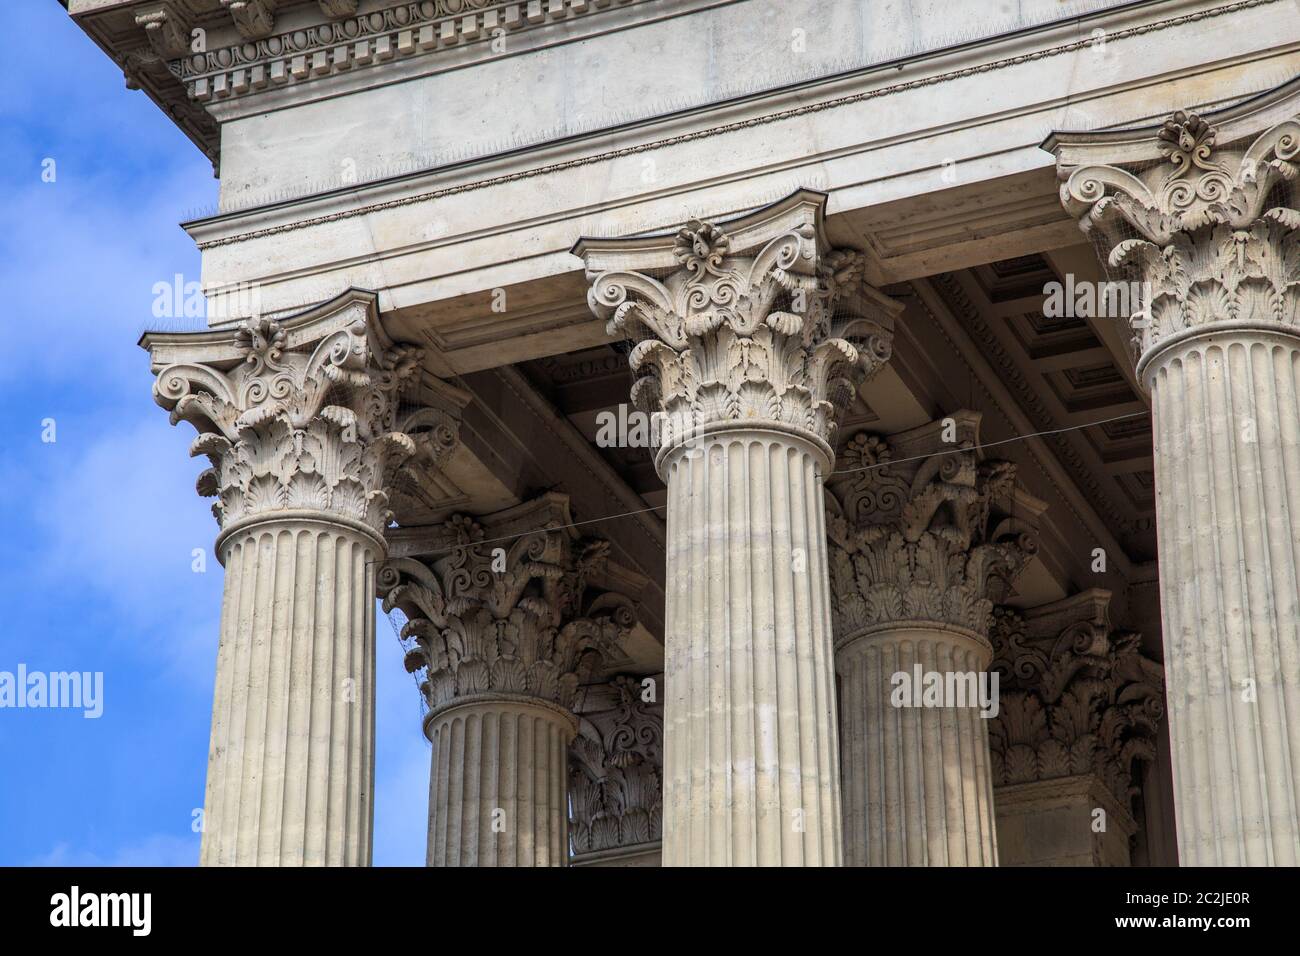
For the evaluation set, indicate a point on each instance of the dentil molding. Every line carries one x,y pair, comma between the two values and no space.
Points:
351,39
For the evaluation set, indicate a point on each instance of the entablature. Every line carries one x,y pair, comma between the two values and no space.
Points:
921,173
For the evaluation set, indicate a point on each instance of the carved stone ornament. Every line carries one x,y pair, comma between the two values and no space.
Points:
615,771
301,415
516,618
1075,697
253,19
1210,226
349,39
749,326
167,34
931,539
338,8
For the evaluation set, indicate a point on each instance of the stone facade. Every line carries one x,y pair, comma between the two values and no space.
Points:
1080,708
763,466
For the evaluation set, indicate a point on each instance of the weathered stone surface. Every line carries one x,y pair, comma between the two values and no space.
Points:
1205,213
300,421
746,347
1079,713
616,774
506,627
920,548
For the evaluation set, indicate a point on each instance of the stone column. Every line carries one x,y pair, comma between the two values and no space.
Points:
1080,711
505,634
615,774
921,546
748,340
300,420
1201,215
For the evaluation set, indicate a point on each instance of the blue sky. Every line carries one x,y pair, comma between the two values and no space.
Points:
99,525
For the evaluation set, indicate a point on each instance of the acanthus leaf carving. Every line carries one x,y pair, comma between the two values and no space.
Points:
313,425
615,772
1210,231
338,8
254,19
521,619
1076,698
769,333
928,539
167,34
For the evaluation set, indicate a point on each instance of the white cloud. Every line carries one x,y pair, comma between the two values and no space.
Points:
122,521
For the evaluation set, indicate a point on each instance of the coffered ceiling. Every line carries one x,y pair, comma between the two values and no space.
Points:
1064,375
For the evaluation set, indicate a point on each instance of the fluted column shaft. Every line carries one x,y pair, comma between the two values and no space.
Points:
301,422
751,767
498,783
291,759
507,640
1226,411
918,790
1211,231
923,538
746,351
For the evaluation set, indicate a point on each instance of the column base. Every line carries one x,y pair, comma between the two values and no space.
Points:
1055,823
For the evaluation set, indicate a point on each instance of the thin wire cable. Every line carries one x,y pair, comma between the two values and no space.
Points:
895,461
992,444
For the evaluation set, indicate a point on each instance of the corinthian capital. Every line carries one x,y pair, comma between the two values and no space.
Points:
508,605
1202,210
921,530
616,768
305,414
755,322
1076,698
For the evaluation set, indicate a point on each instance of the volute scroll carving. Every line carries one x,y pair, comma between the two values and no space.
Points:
746,327
1210,229
517,618
1076,697
932,539
306,416
615,770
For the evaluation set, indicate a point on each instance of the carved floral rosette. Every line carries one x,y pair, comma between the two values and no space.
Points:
1078,701
532,628
1211,228
744,336
930,541
302,422
615,773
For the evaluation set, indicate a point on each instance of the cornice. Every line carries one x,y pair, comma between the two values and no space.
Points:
261,46
365,40
804,89
1141,144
